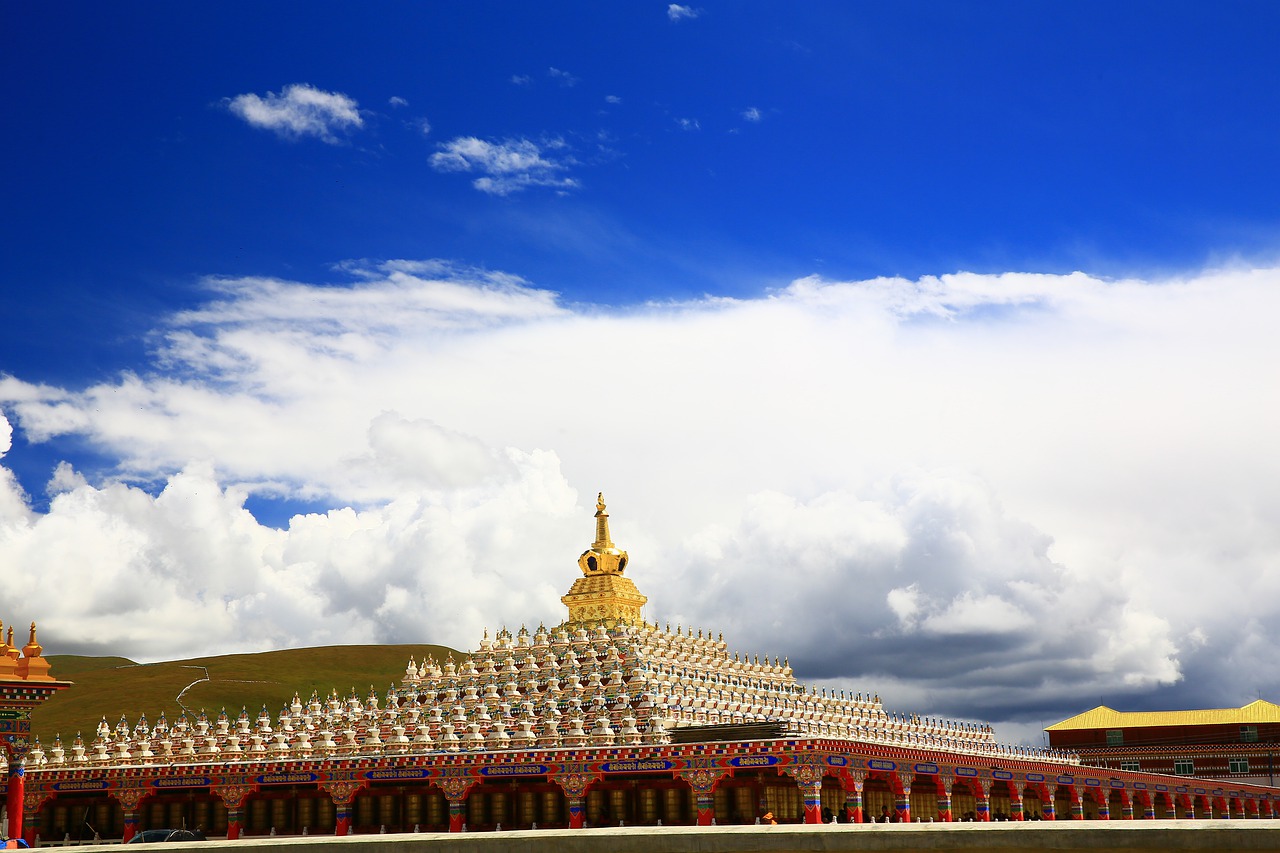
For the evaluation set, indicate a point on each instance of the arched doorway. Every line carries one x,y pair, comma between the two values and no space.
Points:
1092,808
832,798
736,800
924,799
878,798
1001,800
1032,803
1064,801
964,801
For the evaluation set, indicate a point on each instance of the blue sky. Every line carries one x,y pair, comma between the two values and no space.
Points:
711,250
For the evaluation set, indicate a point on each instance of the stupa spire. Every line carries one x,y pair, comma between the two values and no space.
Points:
602,525
603,557
603,594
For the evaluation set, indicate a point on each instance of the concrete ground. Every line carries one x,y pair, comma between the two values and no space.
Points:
1118,836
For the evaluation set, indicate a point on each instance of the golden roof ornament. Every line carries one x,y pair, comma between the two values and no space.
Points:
603,595
602,558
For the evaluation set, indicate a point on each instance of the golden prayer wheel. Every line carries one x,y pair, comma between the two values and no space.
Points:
306,813
437,809
413,809
326,813
279,820
476,808
673,812
595,807
745,803
387,810
723,809
201,814
527,805
551,807
498,808
618,796
648,806
219,824
257,815
364,810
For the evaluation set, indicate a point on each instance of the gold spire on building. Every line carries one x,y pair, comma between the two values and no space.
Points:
603,594
602,557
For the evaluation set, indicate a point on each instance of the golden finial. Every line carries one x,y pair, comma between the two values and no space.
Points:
603,557
33,649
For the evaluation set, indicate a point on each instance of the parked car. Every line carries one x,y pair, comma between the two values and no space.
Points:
150,836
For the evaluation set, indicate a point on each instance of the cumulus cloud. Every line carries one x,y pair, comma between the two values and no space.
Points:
299,110
612,99
190,571
752,114
508,166
688,124
676,12
979,495
564,78
397,101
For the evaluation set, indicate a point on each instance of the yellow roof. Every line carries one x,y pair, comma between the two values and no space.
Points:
1102,717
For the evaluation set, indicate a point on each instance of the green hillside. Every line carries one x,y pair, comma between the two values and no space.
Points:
110,686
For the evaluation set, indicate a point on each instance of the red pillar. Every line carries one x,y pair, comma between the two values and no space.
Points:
944,806
130,826
577,813
342,815
853,808
902,804
1048,811
706,808
981,795
234,819
812,793
17,790
457,813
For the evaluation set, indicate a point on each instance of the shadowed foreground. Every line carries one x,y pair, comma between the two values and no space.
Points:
1118,836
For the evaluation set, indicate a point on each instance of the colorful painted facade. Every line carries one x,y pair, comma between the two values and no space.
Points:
25,682
602,719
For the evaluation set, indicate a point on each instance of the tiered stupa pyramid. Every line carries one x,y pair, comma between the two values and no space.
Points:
603,677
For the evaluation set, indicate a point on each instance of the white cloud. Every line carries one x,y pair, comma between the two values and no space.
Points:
688,124
506,167
397,101
424,126
977,495
752,114
521,79
676,12
564,78
612,99
299,110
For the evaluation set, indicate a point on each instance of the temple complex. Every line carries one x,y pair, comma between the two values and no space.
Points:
25,682
602,719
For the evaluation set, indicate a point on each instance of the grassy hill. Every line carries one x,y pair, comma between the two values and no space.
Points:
111,686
